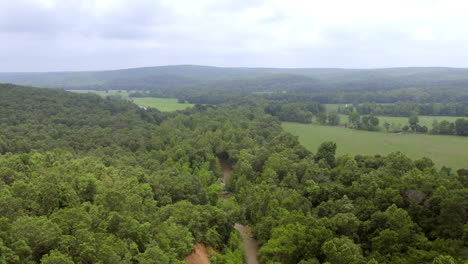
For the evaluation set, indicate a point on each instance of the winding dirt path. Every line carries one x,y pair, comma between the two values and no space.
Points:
226,168
200,253
250,244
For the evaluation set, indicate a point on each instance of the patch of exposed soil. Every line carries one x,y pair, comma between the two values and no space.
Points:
226,168
199,255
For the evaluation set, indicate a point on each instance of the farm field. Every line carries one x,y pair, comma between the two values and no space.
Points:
450,151
163,104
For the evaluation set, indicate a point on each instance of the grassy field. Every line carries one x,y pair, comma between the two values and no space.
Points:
451,151
163,104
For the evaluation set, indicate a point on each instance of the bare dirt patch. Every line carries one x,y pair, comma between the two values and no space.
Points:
226,168
199,255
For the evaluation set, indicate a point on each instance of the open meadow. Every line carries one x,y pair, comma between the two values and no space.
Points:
450,151
163,104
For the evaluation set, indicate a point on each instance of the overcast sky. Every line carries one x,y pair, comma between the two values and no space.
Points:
60,35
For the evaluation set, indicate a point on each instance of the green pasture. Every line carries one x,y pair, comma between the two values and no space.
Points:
163,104
450,151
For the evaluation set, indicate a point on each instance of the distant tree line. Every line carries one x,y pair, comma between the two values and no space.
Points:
366,122
430,98
371,123
331,118
407,109
459,127
294,112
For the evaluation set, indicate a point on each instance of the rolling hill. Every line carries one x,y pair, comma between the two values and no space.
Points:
328,85
189,75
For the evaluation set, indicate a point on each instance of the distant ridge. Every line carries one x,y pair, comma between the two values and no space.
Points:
303,80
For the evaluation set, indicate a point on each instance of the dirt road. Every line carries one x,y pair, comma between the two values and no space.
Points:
250,244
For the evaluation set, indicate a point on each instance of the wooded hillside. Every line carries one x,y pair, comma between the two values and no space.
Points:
85,179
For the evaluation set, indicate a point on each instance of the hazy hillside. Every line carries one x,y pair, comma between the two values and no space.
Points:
302,80
140,77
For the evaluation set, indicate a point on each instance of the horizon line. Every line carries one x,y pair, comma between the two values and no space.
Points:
233,67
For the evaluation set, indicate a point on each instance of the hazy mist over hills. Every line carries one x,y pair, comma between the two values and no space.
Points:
274,79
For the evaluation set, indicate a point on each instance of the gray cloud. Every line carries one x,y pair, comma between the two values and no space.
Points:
50,35
28,17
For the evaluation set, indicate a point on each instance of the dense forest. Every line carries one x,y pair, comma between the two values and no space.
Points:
85,179
419,95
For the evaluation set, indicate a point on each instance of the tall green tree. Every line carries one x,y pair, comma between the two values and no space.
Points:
333,118
321,118
326,152
413,122
342,251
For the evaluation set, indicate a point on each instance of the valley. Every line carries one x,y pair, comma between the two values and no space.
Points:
233,132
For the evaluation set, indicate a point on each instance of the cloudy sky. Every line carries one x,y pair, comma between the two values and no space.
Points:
59,35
